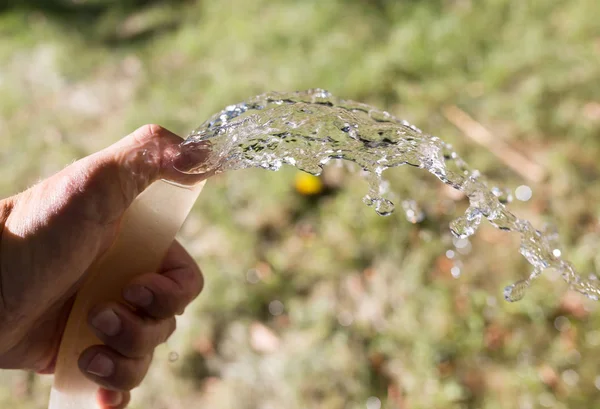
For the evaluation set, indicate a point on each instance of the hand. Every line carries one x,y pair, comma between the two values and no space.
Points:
51,234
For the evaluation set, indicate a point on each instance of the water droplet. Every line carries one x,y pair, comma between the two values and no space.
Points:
516,291
465,246
570,377
345,318
465,226
504,195
556,253
373,403
384,207
450,254
455,271
252,276
413,211
562,323
523,193
368,200
173,356
461,243
276,307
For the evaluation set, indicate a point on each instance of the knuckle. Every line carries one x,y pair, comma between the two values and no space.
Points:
148,336
154,145
127,381
133,347
130,373
138,342
132,340
148,132
170,305
195,280
134,381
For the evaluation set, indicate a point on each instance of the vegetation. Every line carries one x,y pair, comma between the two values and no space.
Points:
312,300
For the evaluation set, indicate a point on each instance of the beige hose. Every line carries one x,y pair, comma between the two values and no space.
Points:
148,229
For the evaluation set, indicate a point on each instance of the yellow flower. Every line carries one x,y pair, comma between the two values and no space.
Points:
307,184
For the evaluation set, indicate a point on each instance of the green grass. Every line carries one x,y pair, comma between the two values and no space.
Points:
75,77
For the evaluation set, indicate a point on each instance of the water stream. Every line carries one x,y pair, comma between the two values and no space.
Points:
307,129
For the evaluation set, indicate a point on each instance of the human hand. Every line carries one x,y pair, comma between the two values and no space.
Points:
49,237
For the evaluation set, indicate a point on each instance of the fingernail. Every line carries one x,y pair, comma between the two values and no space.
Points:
138,295
101,365
107,322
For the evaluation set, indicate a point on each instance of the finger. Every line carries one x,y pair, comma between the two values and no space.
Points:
167,293
111,370
128,333
110,399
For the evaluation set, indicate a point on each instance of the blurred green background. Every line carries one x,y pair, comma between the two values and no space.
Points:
312,300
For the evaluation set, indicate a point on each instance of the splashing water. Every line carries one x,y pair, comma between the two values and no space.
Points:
307,129
173,356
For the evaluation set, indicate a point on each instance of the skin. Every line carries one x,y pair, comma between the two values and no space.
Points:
50,235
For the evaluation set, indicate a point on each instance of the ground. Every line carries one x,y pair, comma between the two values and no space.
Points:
312,300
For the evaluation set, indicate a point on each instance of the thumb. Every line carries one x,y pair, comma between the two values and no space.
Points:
97,189
103,185
123,170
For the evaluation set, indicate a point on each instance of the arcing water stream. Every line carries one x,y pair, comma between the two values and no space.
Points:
307,129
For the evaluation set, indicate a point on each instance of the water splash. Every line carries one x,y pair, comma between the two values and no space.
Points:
413,211
173,356
307,129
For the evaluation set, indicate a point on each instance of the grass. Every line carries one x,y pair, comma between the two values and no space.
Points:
370,308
